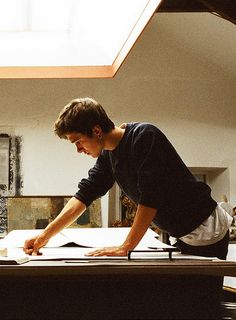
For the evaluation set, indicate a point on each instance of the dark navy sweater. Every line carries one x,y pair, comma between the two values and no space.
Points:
150,172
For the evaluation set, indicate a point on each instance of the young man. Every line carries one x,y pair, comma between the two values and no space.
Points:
139,157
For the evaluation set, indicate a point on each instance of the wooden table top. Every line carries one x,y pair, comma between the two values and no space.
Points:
114,267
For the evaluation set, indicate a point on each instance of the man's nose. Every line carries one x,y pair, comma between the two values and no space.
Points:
79,149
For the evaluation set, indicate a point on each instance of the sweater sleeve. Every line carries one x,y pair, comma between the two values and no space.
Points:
100,179
151,168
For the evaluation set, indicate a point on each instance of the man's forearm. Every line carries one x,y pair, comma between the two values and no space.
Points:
142,221
72,210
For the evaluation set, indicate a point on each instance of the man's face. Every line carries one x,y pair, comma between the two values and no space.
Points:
91,146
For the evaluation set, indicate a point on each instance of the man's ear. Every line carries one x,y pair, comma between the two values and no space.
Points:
97,131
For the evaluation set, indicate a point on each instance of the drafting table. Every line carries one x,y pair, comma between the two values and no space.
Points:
112,288
177,289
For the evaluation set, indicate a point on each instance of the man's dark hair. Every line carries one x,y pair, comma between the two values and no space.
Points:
81,115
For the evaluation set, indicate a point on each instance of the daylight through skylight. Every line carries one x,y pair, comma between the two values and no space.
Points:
47,33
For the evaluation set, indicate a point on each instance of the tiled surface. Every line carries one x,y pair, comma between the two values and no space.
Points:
3,215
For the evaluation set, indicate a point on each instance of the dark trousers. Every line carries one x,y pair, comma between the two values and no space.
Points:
218,249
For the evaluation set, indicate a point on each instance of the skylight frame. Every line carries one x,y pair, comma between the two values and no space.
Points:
86,71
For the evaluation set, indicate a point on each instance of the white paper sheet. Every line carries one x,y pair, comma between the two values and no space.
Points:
16,238
79,254
87,240
85,237
231,281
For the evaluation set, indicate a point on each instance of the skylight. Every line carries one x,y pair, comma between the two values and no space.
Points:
69,38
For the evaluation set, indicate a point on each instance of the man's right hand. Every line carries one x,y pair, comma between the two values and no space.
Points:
72,210
33,245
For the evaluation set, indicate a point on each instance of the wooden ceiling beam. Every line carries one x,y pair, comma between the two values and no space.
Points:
182,6
224,8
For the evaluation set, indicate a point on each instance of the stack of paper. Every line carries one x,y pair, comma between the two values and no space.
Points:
81,240
83,237
84,240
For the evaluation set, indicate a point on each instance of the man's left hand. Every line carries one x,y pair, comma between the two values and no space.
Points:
109,251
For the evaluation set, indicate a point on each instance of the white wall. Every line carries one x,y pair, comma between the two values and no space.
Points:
167,79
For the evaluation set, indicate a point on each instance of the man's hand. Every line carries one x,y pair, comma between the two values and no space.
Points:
142,220
72,210
119,251
33,245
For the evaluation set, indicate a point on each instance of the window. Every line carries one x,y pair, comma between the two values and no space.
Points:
69,38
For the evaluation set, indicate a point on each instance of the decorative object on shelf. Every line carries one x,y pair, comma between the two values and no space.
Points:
128,213
129,209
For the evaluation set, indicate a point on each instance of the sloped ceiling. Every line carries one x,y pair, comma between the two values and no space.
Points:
212,37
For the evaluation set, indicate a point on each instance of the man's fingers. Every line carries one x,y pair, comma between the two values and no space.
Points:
36,253
110,251
33,252
28,251
92,253
31,247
